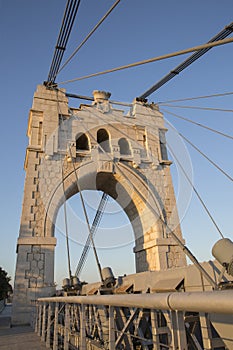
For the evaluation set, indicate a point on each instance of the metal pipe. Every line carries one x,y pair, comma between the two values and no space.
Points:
213,302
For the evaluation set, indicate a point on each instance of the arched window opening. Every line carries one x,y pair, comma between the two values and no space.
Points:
103,140
124,147
163,148
144,141
144,149
82,143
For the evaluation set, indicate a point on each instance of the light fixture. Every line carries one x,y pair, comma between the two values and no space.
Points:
223,253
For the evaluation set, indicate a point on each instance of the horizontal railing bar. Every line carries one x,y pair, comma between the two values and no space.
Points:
213,302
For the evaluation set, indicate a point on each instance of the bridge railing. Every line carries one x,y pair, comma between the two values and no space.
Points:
134,321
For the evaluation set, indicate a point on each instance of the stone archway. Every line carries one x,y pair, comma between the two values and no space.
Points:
140,182
136,200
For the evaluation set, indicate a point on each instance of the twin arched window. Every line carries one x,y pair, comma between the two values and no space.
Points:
82,143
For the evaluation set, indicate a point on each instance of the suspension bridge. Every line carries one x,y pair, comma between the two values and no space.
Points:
100,146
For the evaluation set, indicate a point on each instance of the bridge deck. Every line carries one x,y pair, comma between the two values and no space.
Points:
20,338
17,338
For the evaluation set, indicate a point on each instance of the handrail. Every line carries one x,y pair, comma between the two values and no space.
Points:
209,302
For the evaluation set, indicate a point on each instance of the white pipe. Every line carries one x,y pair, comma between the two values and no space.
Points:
213,302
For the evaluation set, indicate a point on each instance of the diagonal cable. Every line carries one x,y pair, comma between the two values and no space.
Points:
196,98
196,192
198,124
94,227
220,36
206,157
89,35
196,107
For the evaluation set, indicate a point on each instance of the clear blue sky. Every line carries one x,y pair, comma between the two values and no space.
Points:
136,30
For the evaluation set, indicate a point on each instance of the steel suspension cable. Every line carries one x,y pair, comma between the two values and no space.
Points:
88,36
60,47
221,35
72,11
158,58
94,227
206,157
195,107
196,192
196,98
65,30
198,124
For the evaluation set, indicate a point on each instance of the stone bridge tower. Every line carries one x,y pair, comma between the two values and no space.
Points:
101,147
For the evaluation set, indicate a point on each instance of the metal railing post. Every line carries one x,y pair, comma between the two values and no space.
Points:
82,328
154,329
67,327
181,333
205,330
55,328
43,323
39,320
174,327
36,318
111,328
48,331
